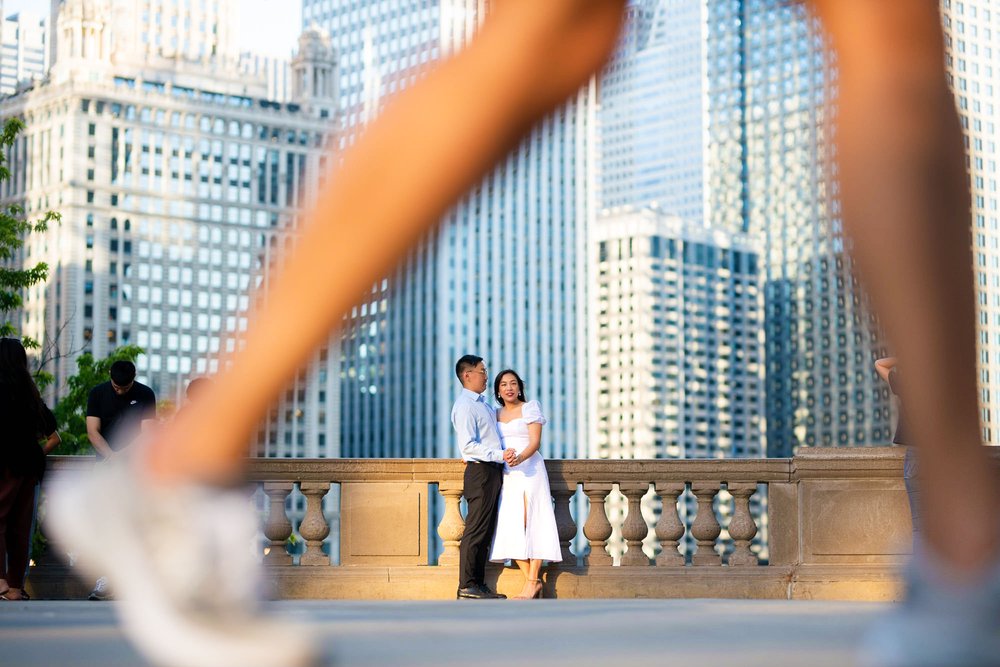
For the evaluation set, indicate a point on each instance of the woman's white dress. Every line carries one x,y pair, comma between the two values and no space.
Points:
528,483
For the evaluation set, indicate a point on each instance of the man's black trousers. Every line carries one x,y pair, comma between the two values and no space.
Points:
482,493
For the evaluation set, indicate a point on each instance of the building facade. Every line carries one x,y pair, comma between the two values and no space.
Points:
677,340
180,188
503,277
653,109
972,30
24,50
768,153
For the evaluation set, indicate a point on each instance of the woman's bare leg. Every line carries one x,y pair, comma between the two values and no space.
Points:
906,205
432,143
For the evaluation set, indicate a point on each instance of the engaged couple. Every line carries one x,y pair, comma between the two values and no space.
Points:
510,514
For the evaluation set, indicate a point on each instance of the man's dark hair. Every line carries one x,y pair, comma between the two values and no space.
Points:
122,373
467,362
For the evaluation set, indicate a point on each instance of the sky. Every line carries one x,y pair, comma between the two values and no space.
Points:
270,27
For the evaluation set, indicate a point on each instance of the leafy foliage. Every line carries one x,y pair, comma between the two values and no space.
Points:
14,226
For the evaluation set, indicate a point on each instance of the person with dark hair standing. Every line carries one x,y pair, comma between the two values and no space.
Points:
116,412
526,523
26,421
483,452
889,372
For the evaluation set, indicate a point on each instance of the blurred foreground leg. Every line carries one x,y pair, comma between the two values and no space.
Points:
906,205
430,145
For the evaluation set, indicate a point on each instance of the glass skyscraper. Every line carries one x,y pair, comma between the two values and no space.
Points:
972,38
713,110
504,275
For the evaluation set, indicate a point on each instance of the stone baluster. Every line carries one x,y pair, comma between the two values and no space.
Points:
706,528
742,527
597,529
278,528
634,529
314,527
669,529
564,523
452,525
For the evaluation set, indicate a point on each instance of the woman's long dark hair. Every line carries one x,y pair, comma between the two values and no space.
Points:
15,375
520,385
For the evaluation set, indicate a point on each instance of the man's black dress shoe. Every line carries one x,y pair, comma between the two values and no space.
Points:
479,593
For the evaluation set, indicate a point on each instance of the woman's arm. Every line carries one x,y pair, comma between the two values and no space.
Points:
51,442
534,442
883,366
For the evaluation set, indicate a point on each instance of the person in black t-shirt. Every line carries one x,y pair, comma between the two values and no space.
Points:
117,409
116,412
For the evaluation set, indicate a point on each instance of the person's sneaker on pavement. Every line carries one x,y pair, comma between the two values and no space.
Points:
102,591
167,546
940,623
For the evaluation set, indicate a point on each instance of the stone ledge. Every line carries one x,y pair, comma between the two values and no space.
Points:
804,582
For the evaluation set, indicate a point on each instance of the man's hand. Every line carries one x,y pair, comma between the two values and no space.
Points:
510,456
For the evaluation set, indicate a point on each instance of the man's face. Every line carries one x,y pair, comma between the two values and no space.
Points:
476,378
121,390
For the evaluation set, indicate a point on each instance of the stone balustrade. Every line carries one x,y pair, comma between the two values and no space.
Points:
837,520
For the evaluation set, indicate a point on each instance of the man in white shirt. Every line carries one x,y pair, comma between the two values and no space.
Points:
483,452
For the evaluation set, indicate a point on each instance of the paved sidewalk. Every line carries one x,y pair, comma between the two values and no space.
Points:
646,633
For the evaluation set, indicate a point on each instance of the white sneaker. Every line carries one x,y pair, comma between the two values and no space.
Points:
184,569
939,623
102,591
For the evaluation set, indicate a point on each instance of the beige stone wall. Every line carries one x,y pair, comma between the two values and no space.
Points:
839,528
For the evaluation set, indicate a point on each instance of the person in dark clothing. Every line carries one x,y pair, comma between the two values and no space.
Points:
26,422
116,412
889,371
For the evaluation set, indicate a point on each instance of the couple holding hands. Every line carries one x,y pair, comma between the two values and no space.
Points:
510,515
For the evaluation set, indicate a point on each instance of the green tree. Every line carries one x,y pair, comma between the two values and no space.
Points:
71,411
14,226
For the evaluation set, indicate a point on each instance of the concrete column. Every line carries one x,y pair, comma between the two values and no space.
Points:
634,529
706,528
314,527
669,529
452,525
598,528
742,527
564,523
278,528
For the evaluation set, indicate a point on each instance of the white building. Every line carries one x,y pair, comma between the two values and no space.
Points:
676,341
24,50
179,182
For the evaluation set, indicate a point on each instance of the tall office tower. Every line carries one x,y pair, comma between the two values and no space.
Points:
768,152
653,110
714,110
676,340
503,277
677,350
972,30
24,50
177,187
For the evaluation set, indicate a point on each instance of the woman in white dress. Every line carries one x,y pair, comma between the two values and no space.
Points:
526,524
